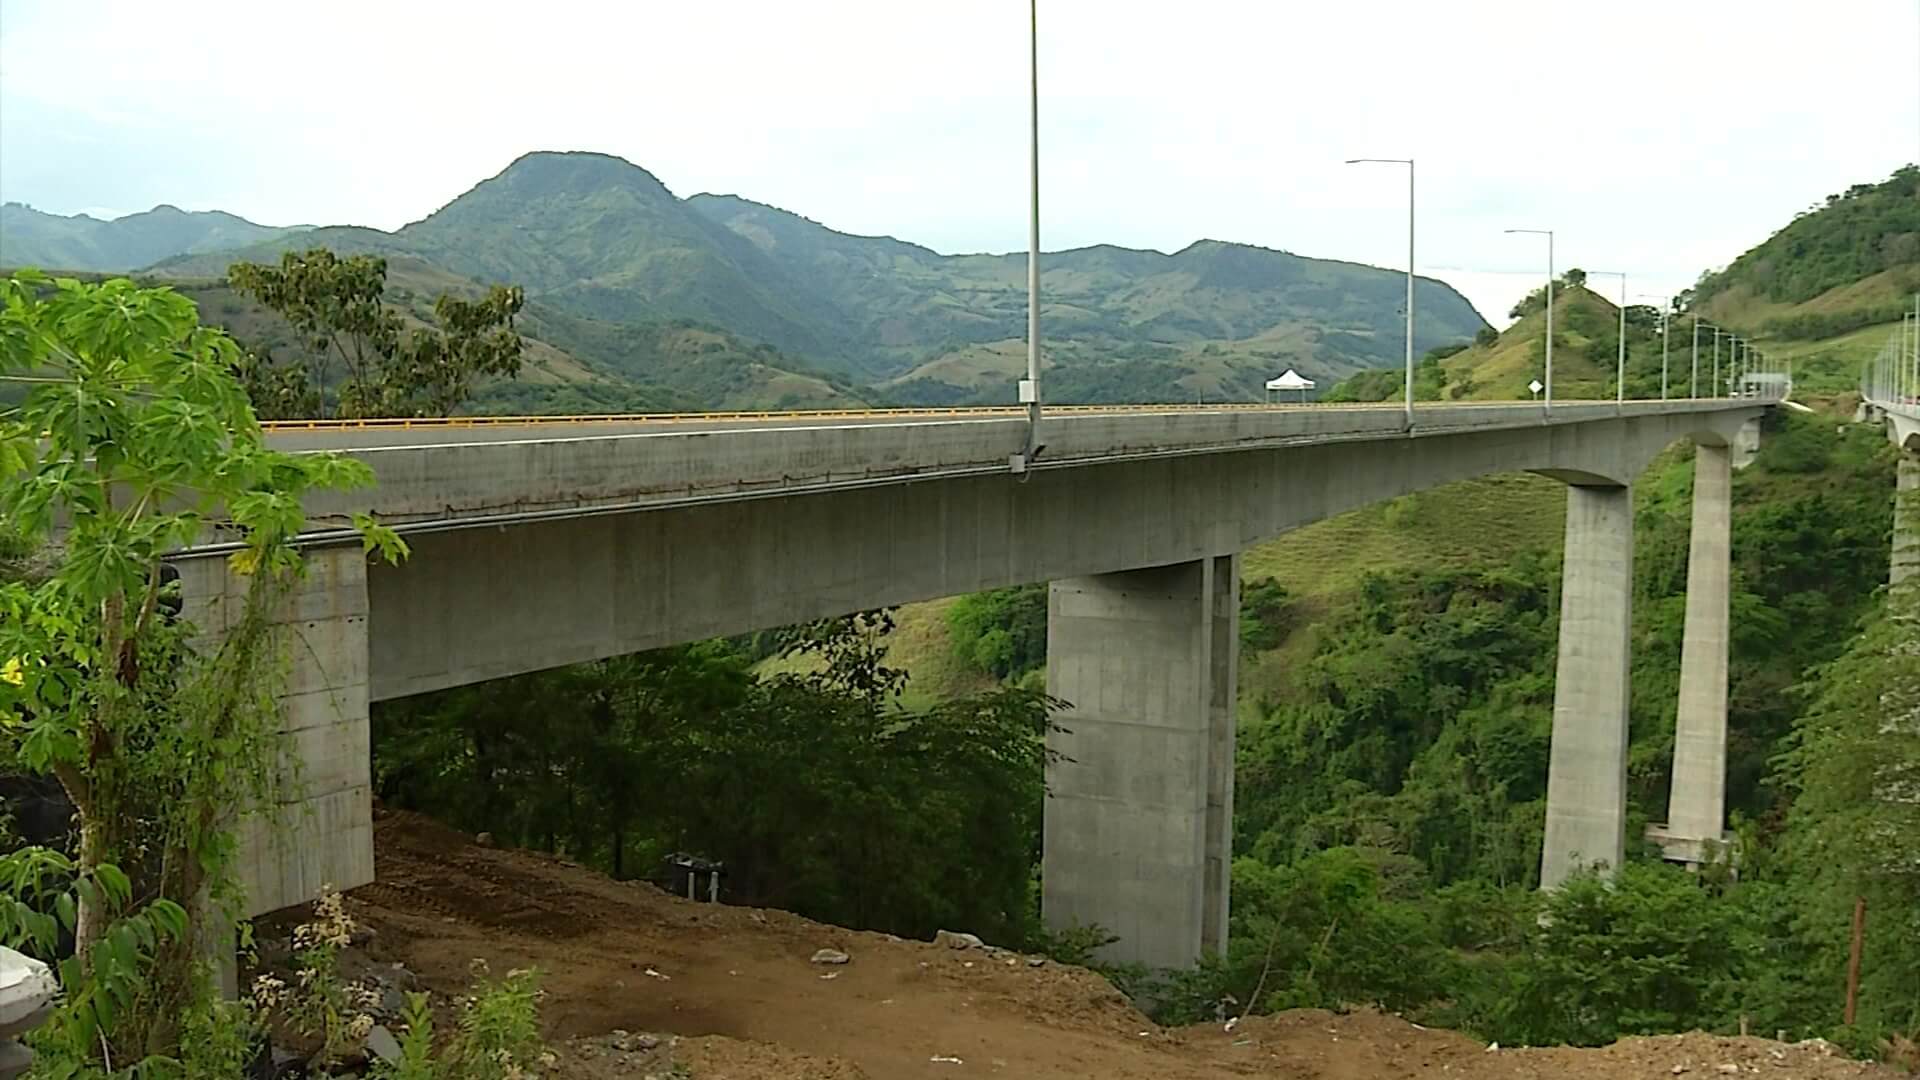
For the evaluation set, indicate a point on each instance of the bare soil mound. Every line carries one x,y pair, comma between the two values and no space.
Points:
640,984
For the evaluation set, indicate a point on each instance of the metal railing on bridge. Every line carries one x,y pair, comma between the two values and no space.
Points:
1891,380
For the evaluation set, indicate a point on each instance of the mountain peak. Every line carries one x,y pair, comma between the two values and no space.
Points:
574,172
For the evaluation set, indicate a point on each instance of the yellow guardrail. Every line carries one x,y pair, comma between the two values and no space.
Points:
449,422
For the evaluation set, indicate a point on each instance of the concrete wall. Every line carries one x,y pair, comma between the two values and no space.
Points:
1139,811
481,603
321,831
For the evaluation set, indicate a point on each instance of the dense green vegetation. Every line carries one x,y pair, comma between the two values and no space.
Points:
914,821
1867,229
136,437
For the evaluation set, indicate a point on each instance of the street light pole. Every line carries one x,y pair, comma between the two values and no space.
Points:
1030,390
1716,361
1693,385
1408,162
1548,233
1666,324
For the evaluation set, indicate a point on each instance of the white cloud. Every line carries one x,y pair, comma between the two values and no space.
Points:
1657,137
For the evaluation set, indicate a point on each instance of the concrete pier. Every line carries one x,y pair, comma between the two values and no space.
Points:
1906,521
321,832
1587,769
1139,819
1696,807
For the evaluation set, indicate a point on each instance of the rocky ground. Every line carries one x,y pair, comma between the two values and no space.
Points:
642,984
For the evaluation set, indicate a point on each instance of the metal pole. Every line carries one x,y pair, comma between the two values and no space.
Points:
1693,387
1409,295
1031,392
1620,365
1666,332
1716,361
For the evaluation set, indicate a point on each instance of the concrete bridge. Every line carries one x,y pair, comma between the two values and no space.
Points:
538,543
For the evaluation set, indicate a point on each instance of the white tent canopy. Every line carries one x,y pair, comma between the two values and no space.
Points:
1291,380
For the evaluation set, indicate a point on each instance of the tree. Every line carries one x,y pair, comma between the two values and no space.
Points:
136,440
1574,278
360,358
1486,335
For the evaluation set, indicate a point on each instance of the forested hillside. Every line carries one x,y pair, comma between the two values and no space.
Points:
595,238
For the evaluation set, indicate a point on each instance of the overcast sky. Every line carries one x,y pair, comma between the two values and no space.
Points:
1659,137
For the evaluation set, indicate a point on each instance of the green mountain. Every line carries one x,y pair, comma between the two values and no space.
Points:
572,364
1827,290
29,237
596,237
1859,245
1217,318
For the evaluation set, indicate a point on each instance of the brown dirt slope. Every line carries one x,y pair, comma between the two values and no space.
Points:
731,992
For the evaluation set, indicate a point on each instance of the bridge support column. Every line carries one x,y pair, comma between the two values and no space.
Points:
1906,520
1587,765
1697,805
1139,820
322,831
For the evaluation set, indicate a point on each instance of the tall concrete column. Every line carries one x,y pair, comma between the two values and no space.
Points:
321,832
1587,769
1906,520
1697,805
1139,817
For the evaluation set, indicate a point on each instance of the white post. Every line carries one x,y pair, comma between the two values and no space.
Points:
1549,319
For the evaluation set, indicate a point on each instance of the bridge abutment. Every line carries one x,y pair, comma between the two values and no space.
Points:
320,832
1587,766
1697,804
1139,815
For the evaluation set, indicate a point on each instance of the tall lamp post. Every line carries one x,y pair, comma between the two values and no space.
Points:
1666,311
1548,233
1620,365
1030,387
1693,386
1408,162
1717,387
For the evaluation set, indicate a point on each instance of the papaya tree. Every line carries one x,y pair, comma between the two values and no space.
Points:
136,439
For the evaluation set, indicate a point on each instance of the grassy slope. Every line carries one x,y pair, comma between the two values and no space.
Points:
1501,371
